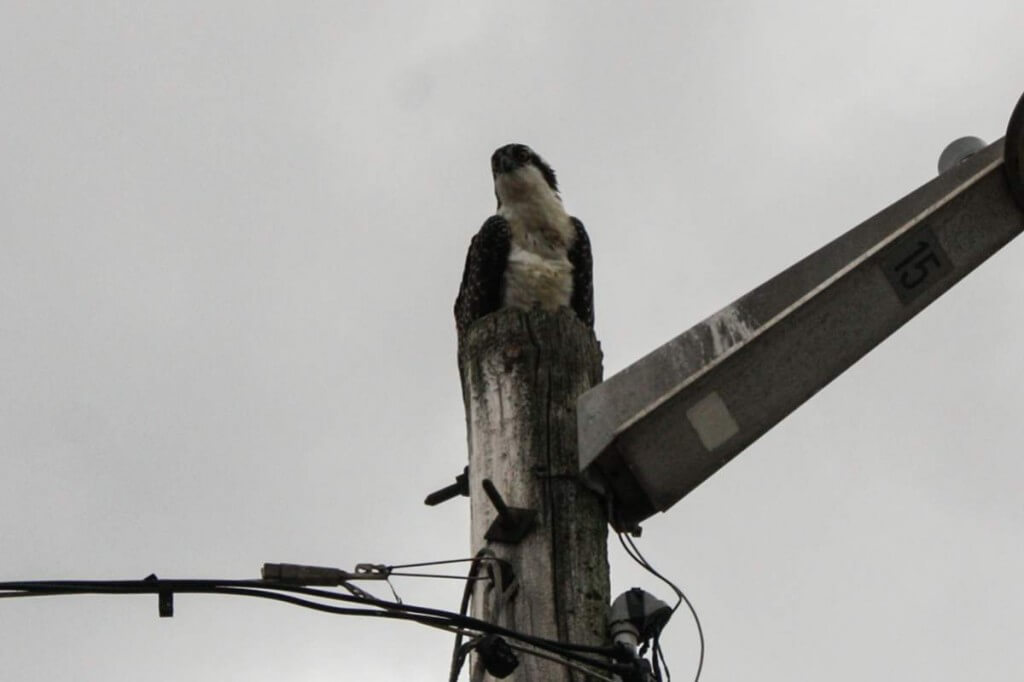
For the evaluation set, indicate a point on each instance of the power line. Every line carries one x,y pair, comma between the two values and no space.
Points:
303,596
657,655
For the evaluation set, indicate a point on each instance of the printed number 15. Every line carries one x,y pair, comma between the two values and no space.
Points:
915,268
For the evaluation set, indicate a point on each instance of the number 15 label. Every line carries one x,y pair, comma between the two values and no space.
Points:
914,263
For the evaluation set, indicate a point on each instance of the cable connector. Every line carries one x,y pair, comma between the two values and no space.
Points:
297,574
637,616
497,656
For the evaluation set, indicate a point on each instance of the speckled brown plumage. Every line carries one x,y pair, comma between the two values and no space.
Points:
480,292
582,275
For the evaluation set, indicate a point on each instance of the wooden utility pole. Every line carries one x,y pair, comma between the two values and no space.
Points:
521,374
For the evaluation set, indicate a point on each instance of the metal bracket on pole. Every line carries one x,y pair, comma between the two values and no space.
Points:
513,523
460,487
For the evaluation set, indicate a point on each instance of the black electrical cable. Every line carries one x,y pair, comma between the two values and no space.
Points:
458,656
656,657
271,589
235,587
574,661
634,552
441,623
467,622
452,623
591,674
637,555
664,663
459,651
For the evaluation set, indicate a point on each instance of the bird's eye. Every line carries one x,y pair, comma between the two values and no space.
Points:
523,153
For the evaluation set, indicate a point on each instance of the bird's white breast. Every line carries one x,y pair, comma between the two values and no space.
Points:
532,279
538,272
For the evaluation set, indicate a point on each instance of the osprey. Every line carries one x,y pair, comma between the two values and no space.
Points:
531,252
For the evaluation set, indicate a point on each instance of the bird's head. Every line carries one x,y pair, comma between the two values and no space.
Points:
518,171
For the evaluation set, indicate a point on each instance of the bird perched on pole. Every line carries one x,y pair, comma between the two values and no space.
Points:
531,253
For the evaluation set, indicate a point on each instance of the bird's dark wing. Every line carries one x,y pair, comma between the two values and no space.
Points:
582,275
480,292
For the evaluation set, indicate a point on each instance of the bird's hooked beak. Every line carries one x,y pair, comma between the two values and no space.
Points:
502,161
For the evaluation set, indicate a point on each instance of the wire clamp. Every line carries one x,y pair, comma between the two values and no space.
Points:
497,656
372,572
165,598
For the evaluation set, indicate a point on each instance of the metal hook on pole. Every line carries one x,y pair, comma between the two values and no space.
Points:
513,523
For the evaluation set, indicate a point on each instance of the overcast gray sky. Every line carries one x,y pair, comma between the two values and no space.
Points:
231,237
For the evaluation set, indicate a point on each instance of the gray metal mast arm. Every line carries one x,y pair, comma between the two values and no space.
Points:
660,427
